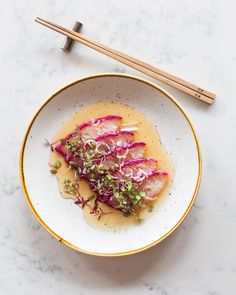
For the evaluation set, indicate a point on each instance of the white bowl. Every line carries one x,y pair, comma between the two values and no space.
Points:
61,217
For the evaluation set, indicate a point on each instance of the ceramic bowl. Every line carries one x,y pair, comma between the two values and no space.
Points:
61,217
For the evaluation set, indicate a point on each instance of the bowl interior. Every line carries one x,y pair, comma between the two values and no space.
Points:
65,220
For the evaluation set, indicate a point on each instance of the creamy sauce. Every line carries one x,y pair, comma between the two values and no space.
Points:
146,132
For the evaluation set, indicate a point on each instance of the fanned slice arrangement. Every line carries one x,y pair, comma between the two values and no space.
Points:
113,164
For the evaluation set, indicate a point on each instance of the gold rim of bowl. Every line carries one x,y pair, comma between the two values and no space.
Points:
22,178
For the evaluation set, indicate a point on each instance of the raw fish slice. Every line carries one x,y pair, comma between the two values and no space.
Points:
124,153
153,184
114,139
91,129
136,150
137,170
103,129
100,126
134,170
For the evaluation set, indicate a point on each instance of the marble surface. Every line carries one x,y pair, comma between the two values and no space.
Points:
193,39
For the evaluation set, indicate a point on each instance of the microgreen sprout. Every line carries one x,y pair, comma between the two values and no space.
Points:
90,198
53,171
57,165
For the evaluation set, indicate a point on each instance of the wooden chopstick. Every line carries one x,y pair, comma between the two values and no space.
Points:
145,68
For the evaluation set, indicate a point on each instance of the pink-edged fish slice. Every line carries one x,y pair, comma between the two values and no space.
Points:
109,124
153,184
130,151
114,139
138,169
148,162
124,153
135,170
100,126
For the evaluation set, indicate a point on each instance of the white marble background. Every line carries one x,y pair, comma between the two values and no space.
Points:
193,39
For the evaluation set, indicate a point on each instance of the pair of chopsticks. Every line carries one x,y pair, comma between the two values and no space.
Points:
134,63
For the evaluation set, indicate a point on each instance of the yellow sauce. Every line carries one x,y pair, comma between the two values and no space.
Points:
146,132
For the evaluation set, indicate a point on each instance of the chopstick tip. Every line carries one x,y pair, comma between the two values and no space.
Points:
38,19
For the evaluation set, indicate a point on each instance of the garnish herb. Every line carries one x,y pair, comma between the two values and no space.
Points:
71,188
90,198
53,171
57,165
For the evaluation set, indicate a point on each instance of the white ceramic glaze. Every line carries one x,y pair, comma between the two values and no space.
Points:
65,220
